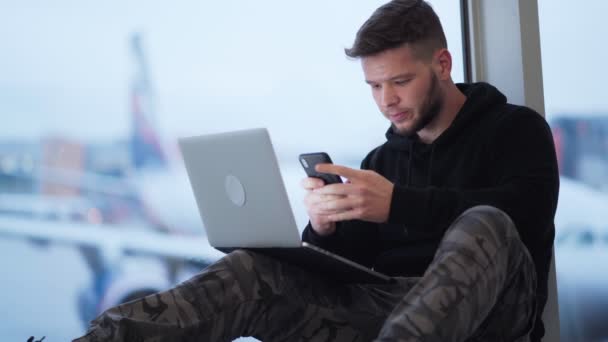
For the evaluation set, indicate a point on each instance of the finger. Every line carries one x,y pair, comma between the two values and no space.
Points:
343,189
327,213
317,211
344,216
337,205
326,209
316,200
311,183
339,170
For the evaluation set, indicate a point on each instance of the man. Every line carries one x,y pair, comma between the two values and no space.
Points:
457,205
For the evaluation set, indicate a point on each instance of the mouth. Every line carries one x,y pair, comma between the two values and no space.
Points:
398,117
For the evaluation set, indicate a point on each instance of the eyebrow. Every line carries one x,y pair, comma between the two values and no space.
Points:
404,75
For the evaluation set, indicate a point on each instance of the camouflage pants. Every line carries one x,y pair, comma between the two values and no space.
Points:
479,287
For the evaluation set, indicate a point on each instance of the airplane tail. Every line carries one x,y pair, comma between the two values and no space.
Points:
145,144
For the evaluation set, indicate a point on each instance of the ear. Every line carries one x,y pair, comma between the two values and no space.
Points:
442,63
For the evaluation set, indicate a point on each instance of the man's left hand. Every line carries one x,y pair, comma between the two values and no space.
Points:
366,196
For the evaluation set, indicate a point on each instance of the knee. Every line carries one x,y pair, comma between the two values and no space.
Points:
488,233
233,267
484,221
482,230
237,263
489,213
242,268
241,256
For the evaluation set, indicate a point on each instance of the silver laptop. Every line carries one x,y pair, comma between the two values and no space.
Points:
242,201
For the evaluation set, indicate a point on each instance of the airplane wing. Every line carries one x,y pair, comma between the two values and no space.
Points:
116,238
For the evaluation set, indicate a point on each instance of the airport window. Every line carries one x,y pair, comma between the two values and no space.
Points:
93,97
577,111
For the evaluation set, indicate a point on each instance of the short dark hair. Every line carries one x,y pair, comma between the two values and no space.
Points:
400,22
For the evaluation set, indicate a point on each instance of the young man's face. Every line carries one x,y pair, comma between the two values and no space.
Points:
404,87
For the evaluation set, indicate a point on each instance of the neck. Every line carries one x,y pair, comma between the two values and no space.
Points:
452,102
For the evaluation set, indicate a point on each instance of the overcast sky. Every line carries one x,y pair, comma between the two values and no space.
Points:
65,67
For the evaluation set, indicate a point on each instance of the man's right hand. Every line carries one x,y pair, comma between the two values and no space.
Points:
314,206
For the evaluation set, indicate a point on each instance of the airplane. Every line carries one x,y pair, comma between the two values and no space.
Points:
140,177
158,243
133,219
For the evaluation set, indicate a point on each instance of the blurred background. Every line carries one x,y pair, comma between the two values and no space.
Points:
95,205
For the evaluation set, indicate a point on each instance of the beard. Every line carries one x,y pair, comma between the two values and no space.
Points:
429,110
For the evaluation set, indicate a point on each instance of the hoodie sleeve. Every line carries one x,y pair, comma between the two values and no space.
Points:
355,239
521,159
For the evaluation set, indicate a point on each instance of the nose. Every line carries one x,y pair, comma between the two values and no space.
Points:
389,97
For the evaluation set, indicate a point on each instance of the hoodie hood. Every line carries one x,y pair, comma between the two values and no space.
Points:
481,98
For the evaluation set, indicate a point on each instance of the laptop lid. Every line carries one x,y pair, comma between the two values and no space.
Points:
239,190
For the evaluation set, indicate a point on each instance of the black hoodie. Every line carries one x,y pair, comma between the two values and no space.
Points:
493,153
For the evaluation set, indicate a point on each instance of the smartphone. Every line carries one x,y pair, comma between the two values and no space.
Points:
310,160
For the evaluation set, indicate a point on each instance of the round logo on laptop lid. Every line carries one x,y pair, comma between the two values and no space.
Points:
235,190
